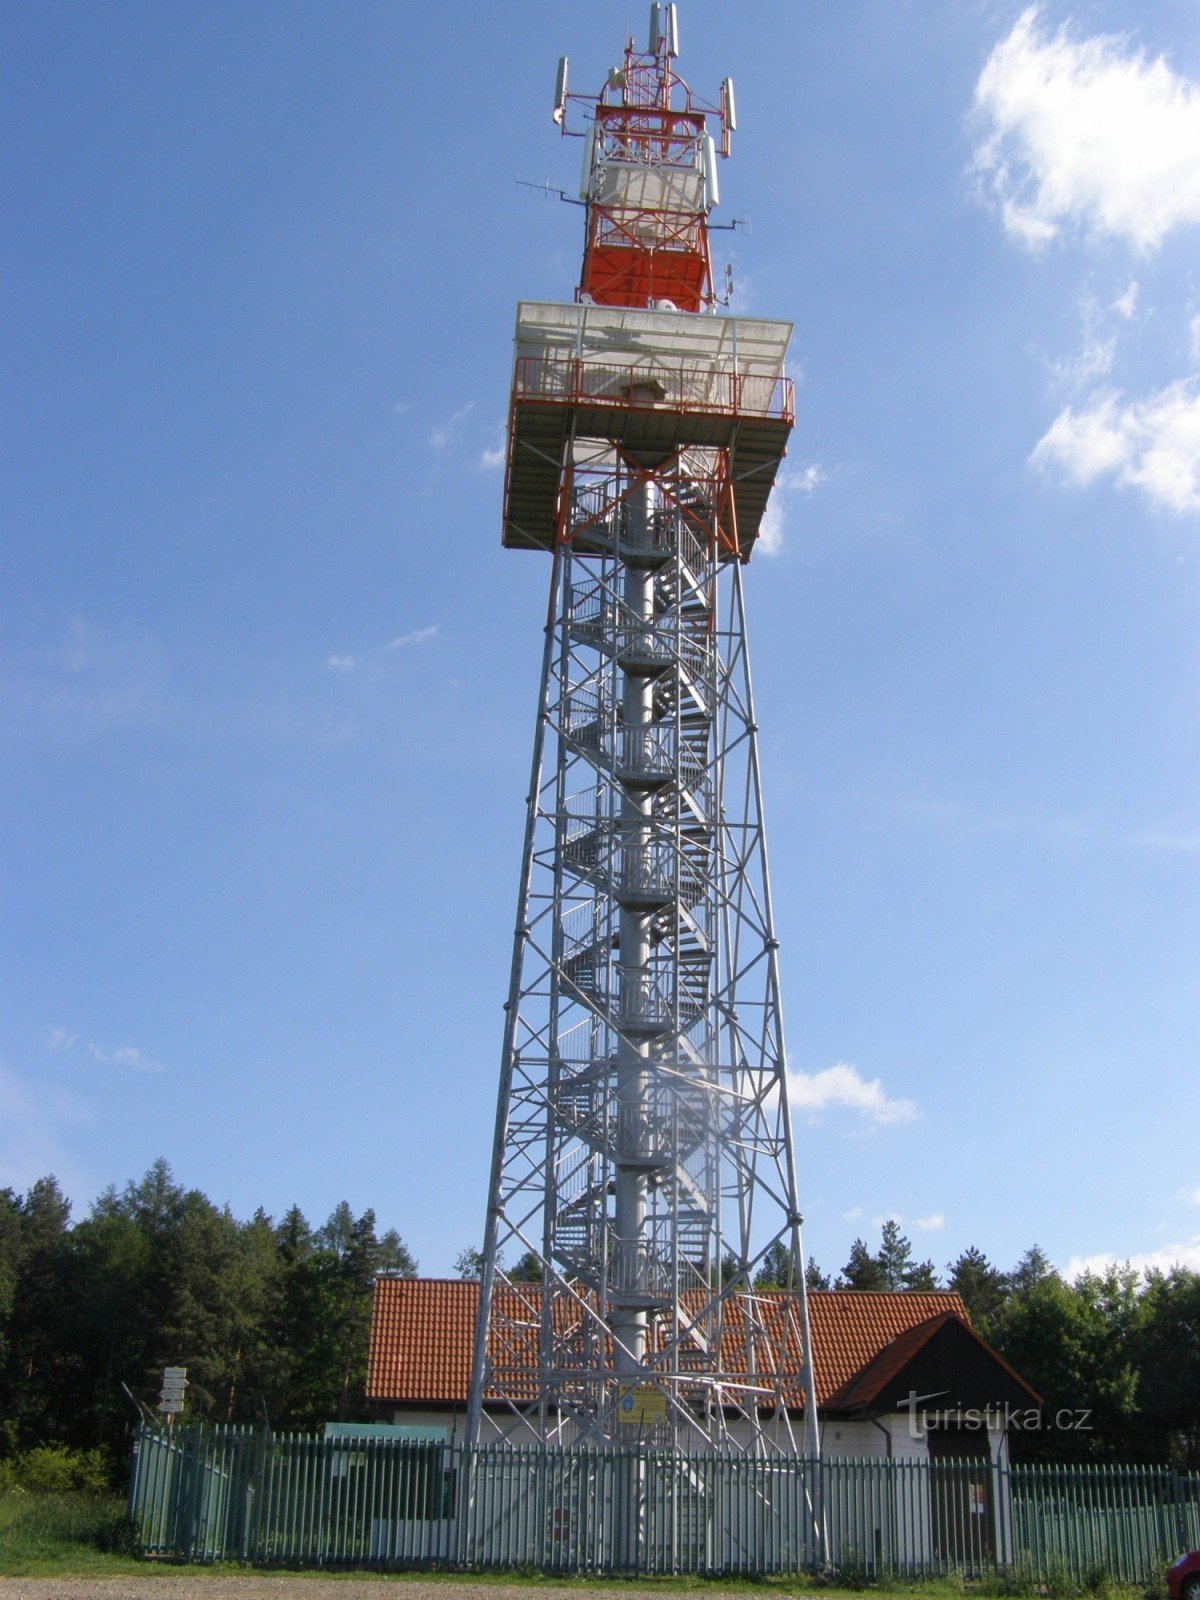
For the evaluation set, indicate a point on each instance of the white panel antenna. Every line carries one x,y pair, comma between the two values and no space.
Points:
585,175
664,29
708,162
560,91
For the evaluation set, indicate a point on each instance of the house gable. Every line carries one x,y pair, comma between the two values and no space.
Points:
941,1365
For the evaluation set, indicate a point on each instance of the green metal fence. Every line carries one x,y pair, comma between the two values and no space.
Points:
233,1494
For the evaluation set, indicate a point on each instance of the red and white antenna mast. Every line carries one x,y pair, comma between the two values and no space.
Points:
649,177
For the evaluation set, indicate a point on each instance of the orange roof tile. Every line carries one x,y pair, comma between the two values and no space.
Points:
423,1329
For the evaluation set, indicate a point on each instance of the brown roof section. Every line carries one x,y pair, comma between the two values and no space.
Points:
851,1327
422,1331
872,1383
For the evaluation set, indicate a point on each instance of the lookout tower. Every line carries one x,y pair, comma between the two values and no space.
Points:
643,1168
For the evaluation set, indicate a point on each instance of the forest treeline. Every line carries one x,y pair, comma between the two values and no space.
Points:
271,1319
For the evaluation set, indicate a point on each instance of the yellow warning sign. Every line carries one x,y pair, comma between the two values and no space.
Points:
641,1403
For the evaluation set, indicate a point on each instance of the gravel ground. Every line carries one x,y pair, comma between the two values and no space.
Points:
258,1586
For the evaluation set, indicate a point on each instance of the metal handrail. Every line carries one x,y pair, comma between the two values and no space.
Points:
645,386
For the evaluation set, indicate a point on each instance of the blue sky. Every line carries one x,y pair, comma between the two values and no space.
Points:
268,678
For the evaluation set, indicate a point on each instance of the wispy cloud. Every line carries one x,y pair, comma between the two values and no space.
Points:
402,641
853,1214
489,460
1185,1254
417,636
930,1224
62,1042
1095,357
1190,1195
842,1085
86,681
442,434
771,531
125,1055
1152,445
1087,134
1126,304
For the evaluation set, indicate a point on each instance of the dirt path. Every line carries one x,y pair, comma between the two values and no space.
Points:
260,1586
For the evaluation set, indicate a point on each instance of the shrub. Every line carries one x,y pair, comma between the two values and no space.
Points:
53,1469
851,1570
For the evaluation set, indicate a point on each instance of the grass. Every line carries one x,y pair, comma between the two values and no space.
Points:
42,1535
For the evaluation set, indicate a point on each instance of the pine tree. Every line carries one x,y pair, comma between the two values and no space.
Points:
982,1286
814,1278
862,1270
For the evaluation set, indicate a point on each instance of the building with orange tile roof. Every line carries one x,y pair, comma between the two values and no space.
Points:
897,1374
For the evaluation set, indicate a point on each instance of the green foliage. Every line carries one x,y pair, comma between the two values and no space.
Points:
775,1269
271,1321
814,1278
891,1268
982,1286
851,1571
527,1270
469,1263
862,1270
54,1469
61,1531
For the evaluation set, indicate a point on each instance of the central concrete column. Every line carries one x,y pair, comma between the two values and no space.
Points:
629,1294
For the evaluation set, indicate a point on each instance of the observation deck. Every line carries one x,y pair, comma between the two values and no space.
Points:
646,384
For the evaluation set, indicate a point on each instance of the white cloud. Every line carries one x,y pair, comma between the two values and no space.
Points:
60,1040
1192,1195
853,1214
125,1055
1125,305
491,459
1194,331
1151,444
928,1224
841,1085
931,1223
1088,134
771,529
1186,1255
341,663
1093,361
440,437
417,636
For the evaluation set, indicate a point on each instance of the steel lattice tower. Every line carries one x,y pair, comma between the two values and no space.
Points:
643,1162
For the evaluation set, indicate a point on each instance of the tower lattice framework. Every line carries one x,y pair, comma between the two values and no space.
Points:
643,1167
